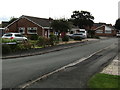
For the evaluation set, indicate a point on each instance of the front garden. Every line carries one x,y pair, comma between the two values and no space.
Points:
34,41
11,45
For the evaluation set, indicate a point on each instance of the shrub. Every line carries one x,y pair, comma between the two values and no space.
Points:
14,47
6,49
8,40
53,39
97,37
26,45
33,37
21,47
78,38
91,33
41,41
47,41
65,38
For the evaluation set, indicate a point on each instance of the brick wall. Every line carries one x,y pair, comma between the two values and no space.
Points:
105,34
24,23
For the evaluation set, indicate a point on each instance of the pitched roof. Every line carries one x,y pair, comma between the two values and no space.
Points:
107,26
40,21
98,24
43,22
4,23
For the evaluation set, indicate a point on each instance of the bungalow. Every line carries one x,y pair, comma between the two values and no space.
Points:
2,31
102,29
2,27
28,25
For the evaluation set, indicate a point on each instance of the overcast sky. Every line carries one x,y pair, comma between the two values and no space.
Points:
102,10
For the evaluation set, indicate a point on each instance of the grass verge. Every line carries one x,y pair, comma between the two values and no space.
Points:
101,80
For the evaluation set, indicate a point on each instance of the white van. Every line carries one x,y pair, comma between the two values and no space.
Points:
77,32
83,32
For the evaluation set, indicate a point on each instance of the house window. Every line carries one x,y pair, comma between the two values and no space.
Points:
99,31
107,31
21,30
32,30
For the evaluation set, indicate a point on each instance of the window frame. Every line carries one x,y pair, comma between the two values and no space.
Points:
99,31
108,31
31,28
22,28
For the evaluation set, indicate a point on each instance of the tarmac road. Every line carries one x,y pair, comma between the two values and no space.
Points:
77,76
21,70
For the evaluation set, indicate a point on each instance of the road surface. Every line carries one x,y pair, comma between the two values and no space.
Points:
21,70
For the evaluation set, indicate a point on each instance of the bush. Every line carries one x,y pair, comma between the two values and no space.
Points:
41,41
78,38
91,33
21,47
97,37
14,47
27,45
33,37
65,38
8,40
6,49
53,39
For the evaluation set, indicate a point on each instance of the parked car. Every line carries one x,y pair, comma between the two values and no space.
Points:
118,35
81,35
16,36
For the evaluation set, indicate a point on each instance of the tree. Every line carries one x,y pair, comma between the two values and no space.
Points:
12,19
60,26
117,24
82,19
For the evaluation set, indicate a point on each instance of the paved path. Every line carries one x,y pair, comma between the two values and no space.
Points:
113,67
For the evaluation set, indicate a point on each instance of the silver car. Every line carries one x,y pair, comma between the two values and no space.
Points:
78,35
15,36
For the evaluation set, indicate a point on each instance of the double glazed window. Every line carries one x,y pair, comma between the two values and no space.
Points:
32,30
22,30
107,31
99,31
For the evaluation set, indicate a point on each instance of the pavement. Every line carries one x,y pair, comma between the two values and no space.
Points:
113,67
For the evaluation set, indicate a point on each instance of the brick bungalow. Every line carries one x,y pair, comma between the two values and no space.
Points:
28,25
103,29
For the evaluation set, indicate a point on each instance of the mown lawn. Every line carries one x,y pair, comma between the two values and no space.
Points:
104,81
